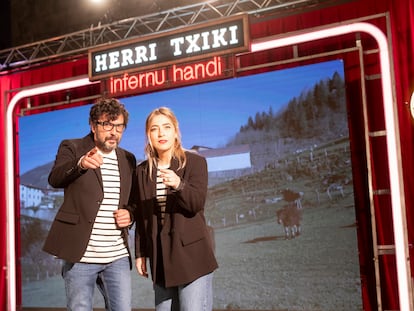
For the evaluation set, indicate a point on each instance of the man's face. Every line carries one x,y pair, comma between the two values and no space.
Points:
108,134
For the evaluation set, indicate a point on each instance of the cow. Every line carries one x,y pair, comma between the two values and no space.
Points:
290,217
335,185
292,197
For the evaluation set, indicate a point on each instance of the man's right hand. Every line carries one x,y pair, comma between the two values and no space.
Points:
92,159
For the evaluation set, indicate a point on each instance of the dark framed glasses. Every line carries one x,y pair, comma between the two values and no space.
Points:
108,126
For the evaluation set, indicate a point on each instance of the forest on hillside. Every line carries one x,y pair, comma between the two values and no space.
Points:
316,116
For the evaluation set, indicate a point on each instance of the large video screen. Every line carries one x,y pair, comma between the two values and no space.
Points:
280,196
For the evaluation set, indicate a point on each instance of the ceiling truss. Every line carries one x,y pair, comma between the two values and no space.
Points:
80,42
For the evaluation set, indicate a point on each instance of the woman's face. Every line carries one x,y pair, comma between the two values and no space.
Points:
162,134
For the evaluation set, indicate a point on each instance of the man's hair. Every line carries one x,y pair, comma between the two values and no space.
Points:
110,107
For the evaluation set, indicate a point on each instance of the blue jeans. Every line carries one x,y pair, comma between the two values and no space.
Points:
113,281
195,296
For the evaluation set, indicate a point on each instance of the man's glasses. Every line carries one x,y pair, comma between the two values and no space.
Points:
108,126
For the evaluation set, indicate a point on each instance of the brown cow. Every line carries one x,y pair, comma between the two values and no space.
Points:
290,217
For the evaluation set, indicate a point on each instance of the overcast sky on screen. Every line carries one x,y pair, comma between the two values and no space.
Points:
210,114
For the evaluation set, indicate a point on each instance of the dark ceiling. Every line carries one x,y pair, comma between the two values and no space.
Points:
26,21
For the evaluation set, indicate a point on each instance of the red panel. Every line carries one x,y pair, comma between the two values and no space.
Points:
402,22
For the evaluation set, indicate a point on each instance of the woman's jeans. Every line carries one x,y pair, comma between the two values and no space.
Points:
195,296
113,281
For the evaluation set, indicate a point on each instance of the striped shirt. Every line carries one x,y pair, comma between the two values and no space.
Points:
106,243
161,196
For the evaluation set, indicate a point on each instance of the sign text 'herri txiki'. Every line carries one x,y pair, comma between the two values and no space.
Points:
192,43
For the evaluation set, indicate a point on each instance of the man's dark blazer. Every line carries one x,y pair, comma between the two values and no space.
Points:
83,192
186,241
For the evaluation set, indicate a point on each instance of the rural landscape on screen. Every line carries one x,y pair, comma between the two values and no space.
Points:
280,198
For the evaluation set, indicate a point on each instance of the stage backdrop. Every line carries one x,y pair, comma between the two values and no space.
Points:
399,17
277,146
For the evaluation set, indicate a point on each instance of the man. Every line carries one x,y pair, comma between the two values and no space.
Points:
90,229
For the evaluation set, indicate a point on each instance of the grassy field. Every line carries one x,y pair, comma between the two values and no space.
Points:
319,270
260,270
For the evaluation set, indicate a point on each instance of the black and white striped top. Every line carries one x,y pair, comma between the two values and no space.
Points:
161,196
106,243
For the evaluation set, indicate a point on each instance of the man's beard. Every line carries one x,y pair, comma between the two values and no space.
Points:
106,147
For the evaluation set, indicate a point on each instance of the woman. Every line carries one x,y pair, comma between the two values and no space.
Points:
171,228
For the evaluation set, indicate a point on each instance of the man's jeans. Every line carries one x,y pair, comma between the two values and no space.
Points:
113,280
195,296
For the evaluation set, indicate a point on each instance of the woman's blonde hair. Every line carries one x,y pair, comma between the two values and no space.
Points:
178,150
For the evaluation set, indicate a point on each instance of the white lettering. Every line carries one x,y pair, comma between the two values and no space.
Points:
113,60
233,34
218,37
126,57
153,55
176,42
100,62
192,43
206,45
140,54
205,40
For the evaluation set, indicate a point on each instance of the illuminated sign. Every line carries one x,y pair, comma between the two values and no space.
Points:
198,42
214,68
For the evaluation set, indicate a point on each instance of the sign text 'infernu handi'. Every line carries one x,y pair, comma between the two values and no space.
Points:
175,75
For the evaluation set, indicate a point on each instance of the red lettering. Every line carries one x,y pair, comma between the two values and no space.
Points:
168,77
197,71
139,81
